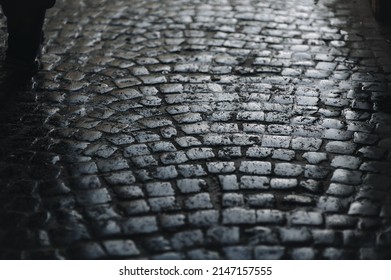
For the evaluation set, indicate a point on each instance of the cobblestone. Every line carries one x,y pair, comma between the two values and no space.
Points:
159,189
146,224
173,221
199,201
238,253
121,248
223,235
269,252
315,158
270,216
340,190
339,147
238,216
332,204
256,167
347,177
204,218
159,204
303,254
365,208
187,239
324,237
232,200
315,172
278,183
206,129
306,218
288,169
341,221
261,200
293,235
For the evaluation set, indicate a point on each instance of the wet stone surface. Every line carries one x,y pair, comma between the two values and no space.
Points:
205,129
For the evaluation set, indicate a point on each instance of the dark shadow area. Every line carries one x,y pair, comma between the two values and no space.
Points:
369,116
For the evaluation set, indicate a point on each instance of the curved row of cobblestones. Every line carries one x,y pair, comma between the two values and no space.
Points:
202,129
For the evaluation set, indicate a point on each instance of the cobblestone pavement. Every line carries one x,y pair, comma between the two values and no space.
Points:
203,129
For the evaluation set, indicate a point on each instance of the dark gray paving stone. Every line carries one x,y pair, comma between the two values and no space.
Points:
158,189
187,239
269,252
237,215
270,216
238,252
254,182
303,253
302,218
256,167
223,235
138,225
121,248
199,201
294,235
347,177
229,182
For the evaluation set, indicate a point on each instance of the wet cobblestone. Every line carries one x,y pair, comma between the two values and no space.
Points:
205,129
